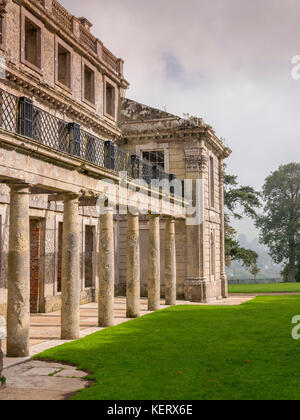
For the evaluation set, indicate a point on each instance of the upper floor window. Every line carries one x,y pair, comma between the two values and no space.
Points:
110,100
63,66
32,43
212,182
155,158
89,84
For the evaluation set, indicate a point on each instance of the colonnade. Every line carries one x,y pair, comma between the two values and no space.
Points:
18,313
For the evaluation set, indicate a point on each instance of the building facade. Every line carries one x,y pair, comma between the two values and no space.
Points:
66,131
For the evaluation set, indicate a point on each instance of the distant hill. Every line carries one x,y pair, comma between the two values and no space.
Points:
270,270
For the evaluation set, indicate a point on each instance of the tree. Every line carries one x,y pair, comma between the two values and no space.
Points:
239,201
255,271
280,223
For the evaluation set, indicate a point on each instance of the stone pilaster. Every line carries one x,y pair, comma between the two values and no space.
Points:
197,288
106,270
154,263
70,326
18,317
133,267
170,261
224,281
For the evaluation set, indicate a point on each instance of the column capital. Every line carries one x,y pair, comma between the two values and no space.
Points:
70,196
133,211
170,218
18,186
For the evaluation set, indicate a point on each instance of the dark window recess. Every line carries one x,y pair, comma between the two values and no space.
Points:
88,257
25,117
110,100
1,30
156,158
64,66
59,255
89,85
32,43
75,139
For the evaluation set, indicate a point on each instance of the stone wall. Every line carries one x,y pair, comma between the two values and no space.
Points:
41,82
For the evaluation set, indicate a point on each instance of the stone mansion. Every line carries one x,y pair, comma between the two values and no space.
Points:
66,127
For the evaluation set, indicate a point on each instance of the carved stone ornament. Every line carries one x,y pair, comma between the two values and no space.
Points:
3,11
195,160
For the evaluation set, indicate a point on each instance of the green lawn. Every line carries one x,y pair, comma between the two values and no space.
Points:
194,352
264,288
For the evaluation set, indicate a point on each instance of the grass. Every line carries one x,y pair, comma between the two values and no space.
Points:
264,288
194,353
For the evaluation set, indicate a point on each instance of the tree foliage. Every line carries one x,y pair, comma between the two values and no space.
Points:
280,223
239,201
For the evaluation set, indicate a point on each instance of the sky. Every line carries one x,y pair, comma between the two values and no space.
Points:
226,61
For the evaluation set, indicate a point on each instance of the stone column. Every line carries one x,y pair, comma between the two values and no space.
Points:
106,270
133,267
170,262
18,310
70,282
224,281
154,263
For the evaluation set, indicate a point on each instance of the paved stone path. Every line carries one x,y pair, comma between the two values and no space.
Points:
30,380
35,380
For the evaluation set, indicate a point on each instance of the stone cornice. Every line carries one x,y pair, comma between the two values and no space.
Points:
176,134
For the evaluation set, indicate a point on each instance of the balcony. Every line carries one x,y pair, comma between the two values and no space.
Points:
18,115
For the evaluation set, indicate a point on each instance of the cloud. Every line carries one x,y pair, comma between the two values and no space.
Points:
226,61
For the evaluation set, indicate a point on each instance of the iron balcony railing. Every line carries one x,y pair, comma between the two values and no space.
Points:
19,115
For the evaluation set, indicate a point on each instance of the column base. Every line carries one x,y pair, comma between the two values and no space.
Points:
202,291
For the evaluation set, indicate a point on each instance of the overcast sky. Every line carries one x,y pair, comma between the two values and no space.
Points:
227,61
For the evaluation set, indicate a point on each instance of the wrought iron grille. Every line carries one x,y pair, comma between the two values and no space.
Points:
92,148
18,115
50,131
122,161
8,111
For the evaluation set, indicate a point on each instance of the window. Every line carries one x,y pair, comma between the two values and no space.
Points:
110,100
89,84
155,158
63,66
32,43
212,182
